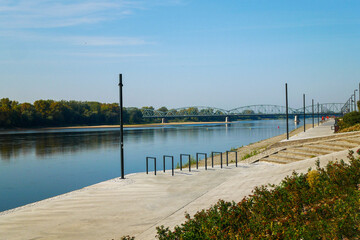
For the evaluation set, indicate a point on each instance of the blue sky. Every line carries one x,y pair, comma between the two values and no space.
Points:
179,53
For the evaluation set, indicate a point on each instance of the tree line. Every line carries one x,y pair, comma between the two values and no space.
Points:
45,113
51,113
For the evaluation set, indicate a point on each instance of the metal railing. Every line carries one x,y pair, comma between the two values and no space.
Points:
212,159
227,157
147,164
186,155
197,159
182,155
172,163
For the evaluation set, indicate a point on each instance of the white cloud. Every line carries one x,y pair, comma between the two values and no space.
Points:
107,55
51,14
104,41
94,41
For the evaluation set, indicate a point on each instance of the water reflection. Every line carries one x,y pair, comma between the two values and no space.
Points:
45,145
40,165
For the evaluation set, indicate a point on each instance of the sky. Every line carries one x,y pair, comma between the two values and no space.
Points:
180,53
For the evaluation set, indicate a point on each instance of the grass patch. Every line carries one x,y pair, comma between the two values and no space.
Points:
324,203
186,162
234,149
249,155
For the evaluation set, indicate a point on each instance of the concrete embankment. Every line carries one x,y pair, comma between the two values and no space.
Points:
136,205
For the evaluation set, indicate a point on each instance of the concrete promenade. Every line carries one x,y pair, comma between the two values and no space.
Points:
319,131
136,205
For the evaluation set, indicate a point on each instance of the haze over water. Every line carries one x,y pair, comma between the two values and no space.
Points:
36,166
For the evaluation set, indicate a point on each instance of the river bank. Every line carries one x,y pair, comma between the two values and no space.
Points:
136,205
149,125
252,149
73,159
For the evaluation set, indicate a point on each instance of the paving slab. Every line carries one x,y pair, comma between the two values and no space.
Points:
324,129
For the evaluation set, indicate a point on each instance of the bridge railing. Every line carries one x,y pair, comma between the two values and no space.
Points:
252,110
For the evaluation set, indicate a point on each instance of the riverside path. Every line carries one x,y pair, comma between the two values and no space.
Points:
136,205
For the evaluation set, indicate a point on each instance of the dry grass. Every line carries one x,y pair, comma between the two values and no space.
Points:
354,128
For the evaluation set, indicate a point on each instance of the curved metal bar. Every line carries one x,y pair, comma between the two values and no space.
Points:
251,110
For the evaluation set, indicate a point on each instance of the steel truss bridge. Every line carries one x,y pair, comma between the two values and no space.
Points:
265,110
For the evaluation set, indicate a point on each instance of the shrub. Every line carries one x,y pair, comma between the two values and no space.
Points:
321,204
127,238
353,128
312,178
351,119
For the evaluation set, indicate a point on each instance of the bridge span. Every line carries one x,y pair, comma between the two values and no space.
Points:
262,111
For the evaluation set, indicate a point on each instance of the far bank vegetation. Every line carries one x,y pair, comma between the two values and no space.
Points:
51,113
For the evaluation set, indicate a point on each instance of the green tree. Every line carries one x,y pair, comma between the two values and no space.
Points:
58,113
43,108
248,112
5,112
110,112
148,108
28,115
135,116
163,109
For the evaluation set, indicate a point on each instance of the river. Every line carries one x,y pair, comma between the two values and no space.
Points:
38,165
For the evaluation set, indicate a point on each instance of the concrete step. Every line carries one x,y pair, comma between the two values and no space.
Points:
288,156
315,150
329,147
296,153
352,140
300,152
274,160
339,144
355,137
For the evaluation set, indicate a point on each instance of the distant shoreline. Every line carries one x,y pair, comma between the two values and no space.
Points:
149,125
135,125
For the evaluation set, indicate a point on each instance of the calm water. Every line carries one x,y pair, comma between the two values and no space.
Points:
35,166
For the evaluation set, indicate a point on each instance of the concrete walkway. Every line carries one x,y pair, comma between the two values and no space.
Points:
137,205
318,131
315,142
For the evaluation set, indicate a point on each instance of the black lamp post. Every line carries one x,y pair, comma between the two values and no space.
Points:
287,112
318,113
304,112
355,100
313,112
121,128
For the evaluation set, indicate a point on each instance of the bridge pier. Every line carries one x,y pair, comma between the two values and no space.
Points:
163,120
227,119
296,119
